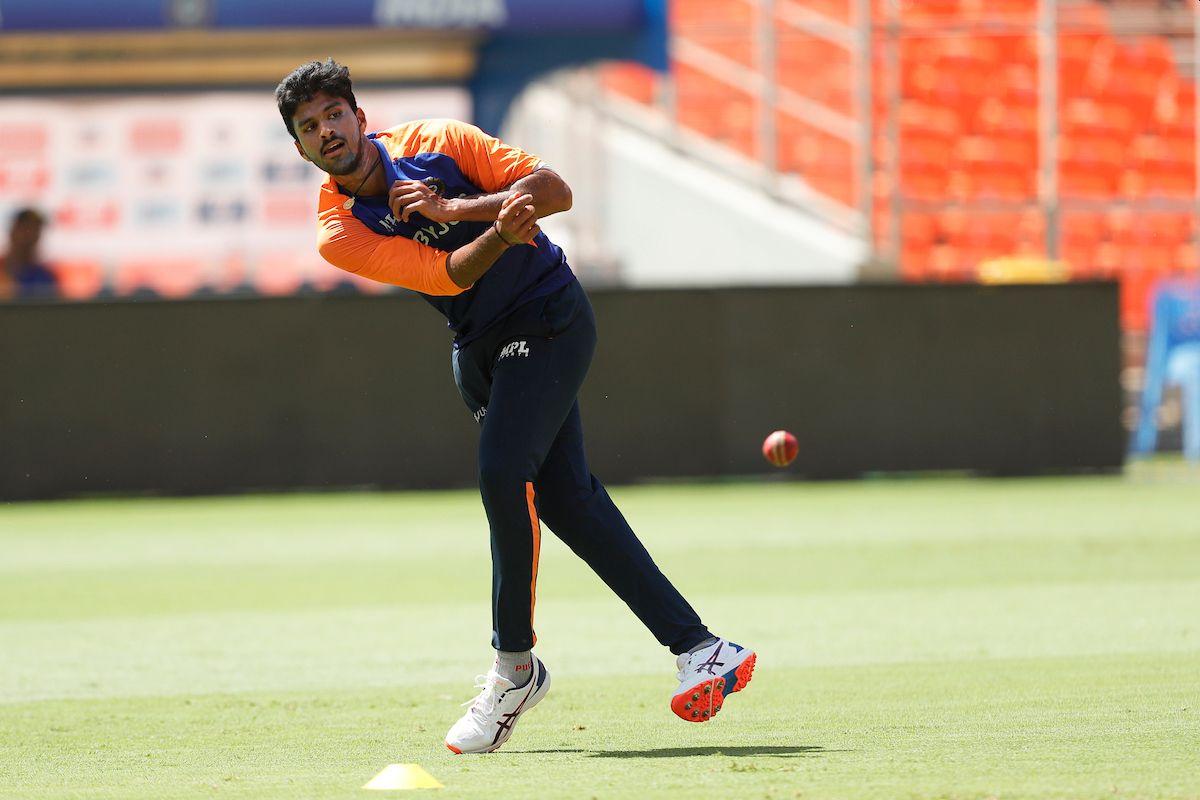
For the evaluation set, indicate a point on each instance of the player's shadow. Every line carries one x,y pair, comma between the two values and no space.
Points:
688,752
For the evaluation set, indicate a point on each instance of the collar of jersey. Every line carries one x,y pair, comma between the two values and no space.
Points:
389,171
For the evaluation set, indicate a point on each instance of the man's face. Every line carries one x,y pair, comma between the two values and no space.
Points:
329,134
25,234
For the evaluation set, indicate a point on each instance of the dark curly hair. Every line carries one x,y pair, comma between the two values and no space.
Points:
306,81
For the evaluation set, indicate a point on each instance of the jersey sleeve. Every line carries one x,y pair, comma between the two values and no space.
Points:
346,243
488,162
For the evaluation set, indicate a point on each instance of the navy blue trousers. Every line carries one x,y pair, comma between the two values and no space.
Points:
521,380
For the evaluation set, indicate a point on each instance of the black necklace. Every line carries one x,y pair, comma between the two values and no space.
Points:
349,204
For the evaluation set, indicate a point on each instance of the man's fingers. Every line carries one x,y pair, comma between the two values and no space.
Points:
404,187
518,218
406,184
520,215
523,216
419,206
403,205
404,192
405,199
528,220
409,194
514,201
525,231
514,212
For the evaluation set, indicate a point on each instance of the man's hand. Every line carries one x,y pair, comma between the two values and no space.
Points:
406,198
550,196
517,222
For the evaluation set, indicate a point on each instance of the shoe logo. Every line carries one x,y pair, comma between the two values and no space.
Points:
524,667
509,718
514,349
710,665
480,414
505,724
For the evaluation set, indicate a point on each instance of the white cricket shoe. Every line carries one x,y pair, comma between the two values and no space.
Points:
707,676
495,710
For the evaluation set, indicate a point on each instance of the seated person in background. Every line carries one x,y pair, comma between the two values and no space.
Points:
22,274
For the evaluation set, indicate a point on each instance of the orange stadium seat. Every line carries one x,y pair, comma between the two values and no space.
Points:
78,279
1085,149
1091,181
1152,55
633,81
1089,116
1169,227
1083,226
1175,108
925,148
1088,263
164,276
931,13
918,230
282,273
1079,257
229,273
925,182
1179,151
727,14
1015,119
1108,259
1121,225
1186,259
914,263
1072,76
1170,183
1003,182
1136,284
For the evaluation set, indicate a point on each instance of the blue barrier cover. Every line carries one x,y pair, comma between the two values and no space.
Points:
82,15
508,16
1174,331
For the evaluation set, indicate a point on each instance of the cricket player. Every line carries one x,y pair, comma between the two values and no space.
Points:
439,207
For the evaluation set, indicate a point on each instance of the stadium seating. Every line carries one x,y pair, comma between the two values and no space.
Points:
79,279
158,276
968,120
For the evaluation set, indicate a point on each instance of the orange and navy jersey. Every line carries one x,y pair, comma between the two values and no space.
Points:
457,160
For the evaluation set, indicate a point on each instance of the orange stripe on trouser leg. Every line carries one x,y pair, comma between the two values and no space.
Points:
536,530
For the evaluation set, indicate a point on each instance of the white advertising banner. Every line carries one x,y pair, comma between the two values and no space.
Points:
181,193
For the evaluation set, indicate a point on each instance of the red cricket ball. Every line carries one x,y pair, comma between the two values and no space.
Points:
780,448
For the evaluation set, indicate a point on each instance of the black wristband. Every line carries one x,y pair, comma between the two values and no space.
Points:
496,228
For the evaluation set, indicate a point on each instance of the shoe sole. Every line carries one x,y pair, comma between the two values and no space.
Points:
704,700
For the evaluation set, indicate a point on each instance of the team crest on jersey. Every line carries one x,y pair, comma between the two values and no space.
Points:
437,184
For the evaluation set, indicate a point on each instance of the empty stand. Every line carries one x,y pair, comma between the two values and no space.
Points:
968,120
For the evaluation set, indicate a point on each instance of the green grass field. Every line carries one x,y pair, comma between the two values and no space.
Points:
917,639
